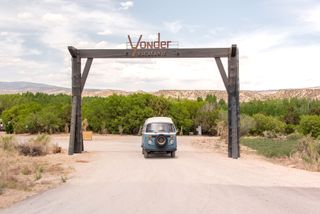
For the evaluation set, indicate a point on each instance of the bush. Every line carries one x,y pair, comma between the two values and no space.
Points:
310,124
247,124
207,117
56,149
294,136
267,123
289,128
309,150
269,134
38,146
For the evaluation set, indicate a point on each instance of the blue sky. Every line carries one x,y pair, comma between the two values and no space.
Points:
279,41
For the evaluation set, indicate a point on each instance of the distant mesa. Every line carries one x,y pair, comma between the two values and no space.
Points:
245,95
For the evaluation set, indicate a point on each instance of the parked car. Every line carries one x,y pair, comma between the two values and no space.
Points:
159,136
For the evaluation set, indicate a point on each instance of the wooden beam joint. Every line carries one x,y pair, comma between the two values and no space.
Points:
73,51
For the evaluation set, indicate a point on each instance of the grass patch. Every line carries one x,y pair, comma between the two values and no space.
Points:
271,148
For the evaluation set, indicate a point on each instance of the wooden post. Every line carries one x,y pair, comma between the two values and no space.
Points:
78,147
74,109
76,141
233,104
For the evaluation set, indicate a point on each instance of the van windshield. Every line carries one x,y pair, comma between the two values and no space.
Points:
160,127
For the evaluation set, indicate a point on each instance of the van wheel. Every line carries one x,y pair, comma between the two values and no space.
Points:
146,154
173,154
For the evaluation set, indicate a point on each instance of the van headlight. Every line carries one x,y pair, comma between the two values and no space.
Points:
171,141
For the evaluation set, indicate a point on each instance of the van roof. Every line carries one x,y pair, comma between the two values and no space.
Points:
159,120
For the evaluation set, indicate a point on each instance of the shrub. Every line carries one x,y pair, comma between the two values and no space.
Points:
247,123
207,117
310,124
289,128
6,143
56,149
267,123
294,136
309,150
26,170
35,147
269,134
38,172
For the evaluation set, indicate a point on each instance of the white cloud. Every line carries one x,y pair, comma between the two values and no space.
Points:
3,33
174,26
267,61
25,15
105,32
125,5
54,18
312,16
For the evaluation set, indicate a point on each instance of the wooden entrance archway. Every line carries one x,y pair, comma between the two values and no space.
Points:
231,82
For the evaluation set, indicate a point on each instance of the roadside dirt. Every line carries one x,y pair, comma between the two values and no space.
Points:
27,176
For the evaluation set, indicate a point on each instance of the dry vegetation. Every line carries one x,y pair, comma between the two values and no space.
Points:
29,167
293,150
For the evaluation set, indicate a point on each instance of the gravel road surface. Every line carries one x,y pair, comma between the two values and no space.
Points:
120,180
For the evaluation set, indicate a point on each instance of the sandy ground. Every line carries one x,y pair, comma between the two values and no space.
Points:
119,180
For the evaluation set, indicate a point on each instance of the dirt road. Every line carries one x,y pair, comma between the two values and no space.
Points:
120,180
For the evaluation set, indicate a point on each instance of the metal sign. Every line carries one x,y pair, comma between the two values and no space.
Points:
143,48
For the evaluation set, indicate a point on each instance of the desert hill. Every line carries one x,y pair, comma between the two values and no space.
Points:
245,95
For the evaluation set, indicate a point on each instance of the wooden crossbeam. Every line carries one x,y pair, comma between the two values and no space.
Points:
153,53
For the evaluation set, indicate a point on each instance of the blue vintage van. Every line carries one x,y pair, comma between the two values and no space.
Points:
159,135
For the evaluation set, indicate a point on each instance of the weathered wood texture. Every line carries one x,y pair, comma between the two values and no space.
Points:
155,53
74,107
222,72
233,104
85,72
76,142
78,135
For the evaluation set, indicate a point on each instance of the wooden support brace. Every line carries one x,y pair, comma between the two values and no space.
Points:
85,72
222,72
